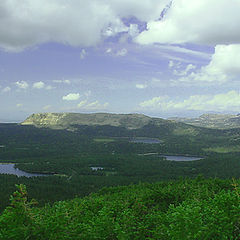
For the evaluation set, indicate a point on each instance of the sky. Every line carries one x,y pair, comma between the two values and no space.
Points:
161,58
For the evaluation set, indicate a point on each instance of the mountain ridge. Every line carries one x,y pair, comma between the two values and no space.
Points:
65,120
218,121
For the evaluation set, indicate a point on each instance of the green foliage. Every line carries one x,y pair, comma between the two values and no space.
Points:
72,154
183,209
19,216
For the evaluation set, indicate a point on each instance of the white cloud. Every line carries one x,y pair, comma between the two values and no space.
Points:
229,101
19,105
155,103
49,87
166,48
71,97
88,93
47,107
171,64
133,30
109,50
86,23
174,64
62,81
198,21
85,105
73,22
177,68
225,60
143,10
82,104
83,54
115,27
38,85
122,52
141,86
6,89
223,67
22,84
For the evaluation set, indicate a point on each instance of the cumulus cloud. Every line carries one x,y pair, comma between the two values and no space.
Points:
19,105
133,30
146,10
96,105
108,50
6,89
66,81
178,70
47,107
141,86
73,22
122,52
22,84
88,93
223,67
225,60
199,21
86,23
38,85
71,97
229,101
49,87
83,54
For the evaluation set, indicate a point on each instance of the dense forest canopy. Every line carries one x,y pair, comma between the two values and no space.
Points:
82,161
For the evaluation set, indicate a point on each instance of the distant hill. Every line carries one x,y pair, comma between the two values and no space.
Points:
220,121
66,120
146,125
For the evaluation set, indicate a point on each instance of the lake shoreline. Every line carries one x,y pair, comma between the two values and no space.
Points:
12,169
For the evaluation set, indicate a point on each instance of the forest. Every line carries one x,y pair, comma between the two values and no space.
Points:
183,209
151,182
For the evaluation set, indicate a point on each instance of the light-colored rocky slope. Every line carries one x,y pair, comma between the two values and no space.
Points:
65,120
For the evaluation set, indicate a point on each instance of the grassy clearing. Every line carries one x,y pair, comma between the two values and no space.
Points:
229,149
104,140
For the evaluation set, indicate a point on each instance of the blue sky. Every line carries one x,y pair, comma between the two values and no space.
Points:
160,58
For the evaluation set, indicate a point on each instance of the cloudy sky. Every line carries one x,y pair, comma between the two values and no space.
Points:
158,57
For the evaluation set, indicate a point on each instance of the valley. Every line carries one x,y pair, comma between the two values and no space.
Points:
70,166
124,153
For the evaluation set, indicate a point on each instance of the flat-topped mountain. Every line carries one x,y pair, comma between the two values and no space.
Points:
221,121
64,120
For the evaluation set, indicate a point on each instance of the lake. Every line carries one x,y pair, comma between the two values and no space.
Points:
8,168
181,158
145,140
97,168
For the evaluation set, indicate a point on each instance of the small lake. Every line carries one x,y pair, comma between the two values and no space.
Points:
97,168
8,168
181,158
145,140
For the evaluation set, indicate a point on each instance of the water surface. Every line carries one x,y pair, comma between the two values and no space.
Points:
181,158
8,168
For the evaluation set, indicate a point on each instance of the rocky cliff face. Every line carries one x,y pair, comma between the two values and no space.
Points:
65,120
44,119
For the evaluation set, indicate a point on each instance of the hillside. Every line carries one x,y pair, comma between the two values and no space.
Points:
66,120
71,154
121,125
220,121
184,209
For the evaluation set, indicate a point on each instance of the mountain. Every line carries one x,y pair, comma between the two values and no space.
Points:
220,121
107,122
66,120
